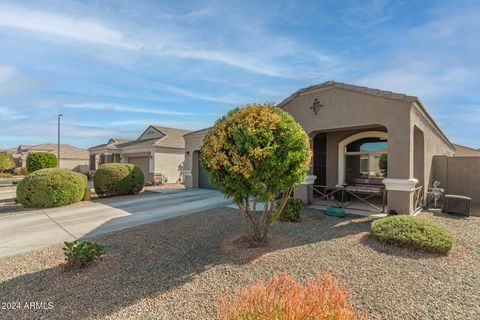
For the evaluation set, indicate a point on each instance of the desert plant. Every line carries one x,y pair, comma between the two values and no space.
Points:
51,188
80,253
113,179
335,205
383,163
21,171
6,161
41,160
256,152
413,232
292,210
283,297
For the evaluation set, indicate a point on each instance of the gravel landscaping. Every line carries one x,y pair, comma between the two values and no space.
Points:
177,268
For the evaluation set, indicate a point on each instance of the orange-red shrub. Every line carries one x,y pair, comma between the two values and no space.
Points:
283,297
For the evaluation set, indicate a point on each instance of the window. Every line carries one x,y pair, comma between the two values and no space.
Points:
366,158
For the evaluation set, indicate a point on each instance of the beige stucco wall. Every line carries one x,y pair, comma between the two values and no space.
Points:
192,143
458,175
353,111
169,162
434,143
79,165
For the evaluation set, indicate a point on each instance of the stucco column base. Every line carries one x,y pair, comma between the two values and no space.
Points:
400,194
304,191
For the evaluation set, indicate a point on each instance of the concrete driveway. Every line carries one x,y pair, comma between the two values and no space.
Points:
43,228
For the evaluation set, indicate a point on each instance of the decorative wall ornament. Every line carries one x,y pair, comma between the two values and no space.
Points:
316,106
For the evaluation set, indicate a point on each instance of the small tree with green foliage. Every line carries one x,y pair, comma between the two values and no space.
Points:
41,160
383,163
257,153
6,161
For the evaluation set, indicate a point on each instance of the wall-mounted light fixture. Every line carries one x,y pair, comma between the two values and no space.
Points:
187,153
316,106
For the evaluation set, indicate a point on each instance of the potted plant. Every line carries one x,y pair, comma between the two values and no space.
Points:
336,210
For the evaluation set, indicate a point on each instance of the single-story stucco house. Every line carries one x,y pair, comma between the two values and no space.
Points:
158,151
71,157
362,138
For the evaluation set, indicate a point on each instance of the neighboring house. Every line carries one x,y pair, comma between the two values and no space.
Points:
351,128
71,157
157,151
462,151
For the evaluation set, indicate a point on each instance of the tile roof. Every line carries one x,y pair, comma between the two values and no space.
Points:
173,139
66,151
354,88
465,151
199,132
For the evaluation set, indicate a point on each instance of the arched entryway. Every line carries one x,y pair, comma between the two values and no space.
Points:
350,166
363,155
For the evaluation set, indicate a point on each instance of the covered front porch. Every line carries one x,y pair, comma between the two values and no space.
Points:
97,159
351,169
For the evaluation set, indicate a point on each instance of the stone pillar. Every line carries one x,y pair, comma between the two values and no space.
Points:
400,194
304,190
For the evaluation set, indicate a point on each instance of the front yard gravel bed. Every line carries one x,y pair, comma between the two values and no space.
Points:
177,269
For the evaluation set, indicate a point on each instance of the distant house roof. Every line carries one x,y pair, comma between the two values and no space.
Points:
111,144
117,140
66,151
163,137
466,151
198,132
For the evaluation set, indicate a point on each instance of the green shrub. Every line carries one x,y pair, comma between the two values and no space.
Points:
41,160
6,161
51,188
413,232
113,179
292,210
258,151
80,253
335,206
21,171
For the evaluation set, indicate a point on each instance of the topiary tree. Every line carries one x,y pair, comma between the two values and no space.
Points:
41,160
383,163
114,179
51,188
256,153
6,161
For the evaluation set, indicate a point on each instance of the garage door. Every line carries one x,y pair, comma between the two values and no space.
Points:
142,162
203,181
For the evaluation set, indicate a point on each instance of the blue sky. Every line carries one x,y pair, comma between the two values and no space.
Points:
112,67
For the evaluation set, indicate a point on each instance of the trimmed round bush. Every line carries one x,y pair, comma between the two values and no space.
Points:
41,160
51,188
256,152
114,179
292,210
413,232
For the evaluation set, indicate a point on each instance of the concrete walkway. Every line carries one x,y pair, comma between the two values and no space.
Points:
43,228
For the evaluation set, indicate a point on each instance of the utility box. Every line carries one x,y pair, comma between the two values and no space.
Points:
455,204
